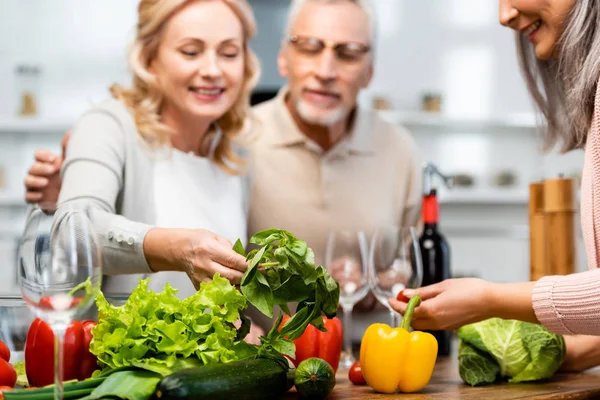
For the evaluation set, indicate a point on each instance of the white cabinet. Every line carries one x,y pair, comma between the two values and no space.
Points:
8,265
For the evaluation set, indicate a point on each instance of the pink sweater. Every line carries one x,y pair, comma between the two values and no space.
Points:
571,304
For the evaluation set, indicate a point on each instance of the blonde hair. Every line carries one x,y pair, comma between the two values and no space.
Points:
145,100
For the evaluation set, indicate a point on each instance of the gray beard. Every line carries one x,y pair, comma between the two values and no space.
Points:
328,119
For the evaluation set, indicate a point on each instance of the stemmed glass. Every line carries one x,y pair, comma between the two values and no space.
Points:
394,264
59,270
345,260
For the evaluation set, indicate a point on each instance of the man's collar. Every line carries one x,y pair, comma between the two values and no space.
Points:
359,140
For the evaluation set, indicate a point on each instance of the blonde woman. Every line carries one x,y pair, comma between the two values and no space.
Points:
559,49
159,160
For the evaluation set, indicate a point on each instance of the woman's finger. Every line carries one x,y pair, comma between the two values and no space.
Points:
229,258
426,292
232,275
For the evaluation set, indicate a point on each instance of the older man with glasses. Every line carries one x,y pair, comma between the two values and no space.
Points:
323,163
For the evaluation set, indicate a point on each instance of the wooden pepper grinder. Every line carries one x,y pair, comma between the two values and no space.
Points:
559,219
537,236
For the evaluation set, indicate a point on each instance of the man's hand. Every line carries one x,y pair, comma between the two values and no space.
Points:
43,180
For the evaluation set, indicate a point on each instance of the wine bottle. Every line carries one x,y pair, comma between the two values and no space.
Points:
435,254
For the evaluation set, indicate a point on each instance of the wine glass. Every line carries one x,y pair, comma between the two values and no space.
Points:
345,258
394,264
59,270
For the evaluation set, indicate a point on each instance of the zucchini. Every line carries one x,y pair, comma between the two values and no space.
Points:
257,379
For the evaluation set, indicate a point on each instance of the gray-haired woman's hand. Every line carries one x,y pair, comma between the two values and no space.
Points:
197,252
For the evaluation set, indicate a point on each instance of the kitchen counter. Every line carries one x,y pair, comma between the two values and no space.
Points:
446,384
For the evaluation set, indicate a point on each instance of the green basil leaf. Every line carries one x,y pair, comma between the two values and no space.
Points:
253,266
266,237
292,290
298,247
244,329
285,309
285,346
273,277
319,324
295,326
258,292
238,247
329,291
245,351
309,258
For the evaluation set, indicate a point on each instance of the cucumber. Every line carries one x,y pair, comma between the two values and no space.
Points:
314,379
244,380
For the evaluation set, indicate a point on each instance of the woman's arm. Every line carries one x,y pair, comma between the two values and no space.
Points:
564,304
92,176
456,302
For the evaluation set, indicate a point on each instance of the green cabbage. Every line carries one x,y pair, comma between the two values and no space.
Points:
517,350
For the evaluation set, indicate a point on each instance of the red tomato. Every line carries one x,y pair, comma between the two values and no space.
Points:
8,375
355,374
401,297
4,352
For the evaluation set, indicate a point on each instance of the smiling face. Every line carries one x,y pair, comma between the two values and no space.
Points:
324,81
542,21
199,66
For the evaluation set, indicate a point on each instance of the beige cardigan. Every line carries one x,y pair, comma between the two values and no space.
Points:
109,167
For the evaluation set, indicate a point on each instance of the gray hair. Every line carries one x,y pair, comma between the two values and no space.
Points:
564,88
365,5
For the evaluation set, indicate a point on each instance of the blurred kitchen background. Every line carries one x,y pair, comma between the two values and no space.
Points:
445,69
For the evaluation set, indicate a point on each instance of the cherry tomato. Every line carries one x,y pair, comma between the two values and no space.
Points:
355,374
4,389
401,297
8,375
4,352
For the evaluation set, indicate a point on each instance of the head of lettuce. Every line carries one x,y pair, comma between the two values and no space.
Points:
498,348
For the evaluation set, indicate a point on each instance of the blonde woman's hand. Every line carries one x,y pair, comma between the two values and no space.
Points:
197,252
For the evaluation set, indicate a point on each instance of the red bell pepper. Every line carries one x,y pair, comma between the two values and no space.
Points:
314,343
78,362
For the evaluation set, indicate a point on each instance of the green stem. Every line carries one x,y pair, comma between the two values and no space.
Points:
270,264
410,309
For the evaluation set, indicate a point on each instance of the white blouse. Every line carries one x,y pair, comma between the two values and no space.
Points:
193,193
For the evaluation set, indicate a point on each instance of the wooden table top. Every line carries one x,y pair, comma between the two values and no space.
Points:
446,384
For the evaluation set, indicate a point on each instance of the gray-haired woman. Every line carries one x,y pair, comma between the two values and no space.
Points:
559,47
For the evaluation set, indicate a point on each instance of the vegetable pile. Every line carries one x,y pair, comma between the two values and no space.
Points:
497,348
159,346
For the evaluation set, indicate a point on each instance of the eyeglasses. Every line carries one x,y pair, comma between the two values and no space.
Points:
348,52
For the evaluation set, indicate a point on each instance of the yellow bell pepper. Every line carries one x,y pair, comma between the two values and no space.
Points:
394,358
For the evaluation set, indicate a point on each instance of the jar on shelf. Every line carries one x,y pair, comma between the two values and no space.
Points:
28,89
432,102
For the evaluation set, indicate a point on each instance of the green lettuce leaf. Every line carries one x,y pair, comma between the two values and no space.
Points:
155,330
521,351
